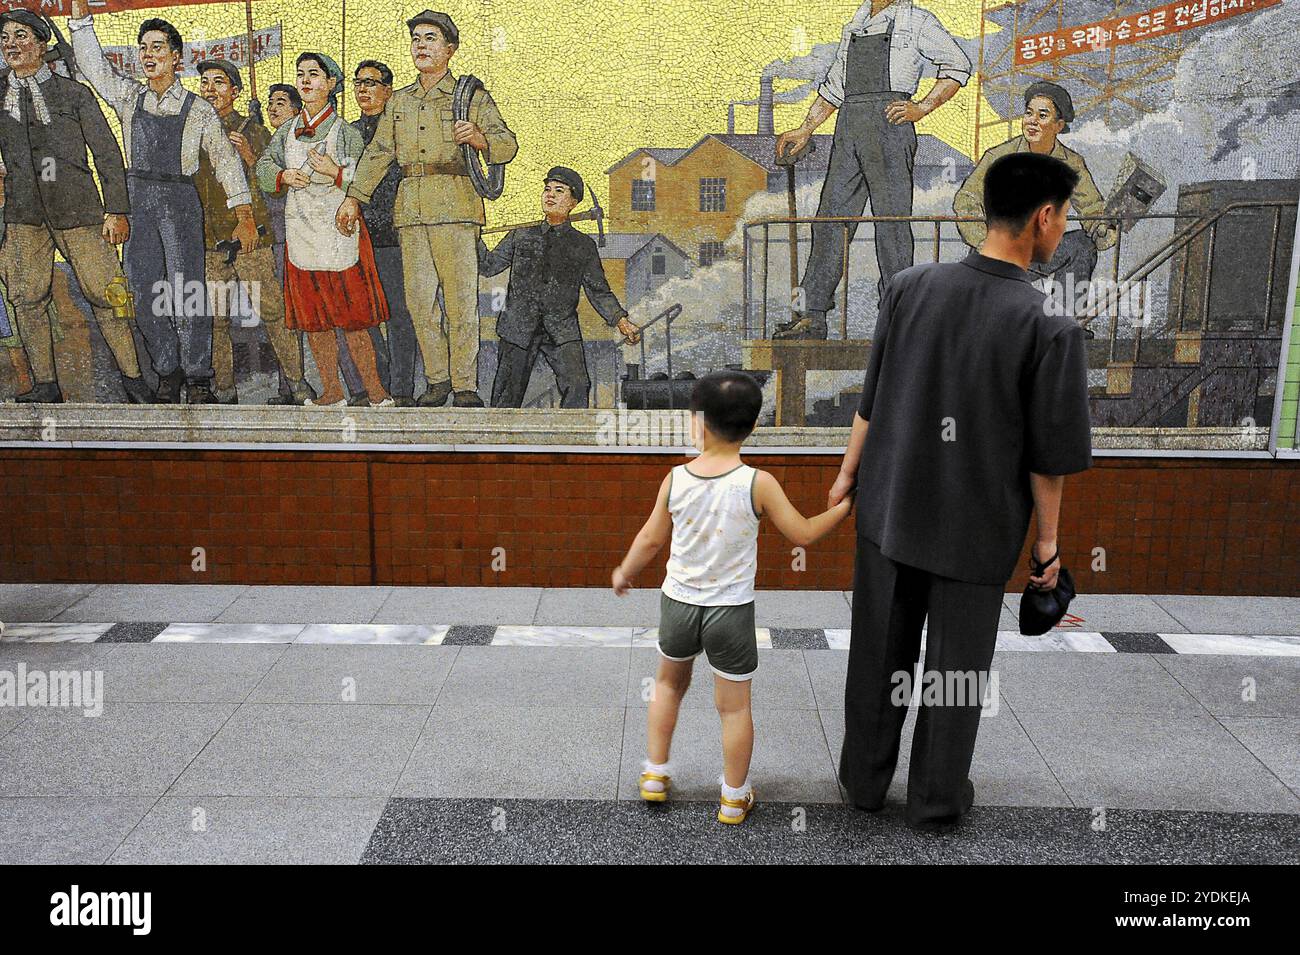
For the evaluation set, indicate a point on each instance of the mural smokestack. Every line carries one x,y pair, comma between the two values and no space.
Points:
766,118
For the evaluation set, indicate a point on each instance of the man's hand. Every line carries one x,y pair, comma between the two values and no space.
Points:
902,111
80,9
631,333
791,141
621,582
1041,551
117,229
345,220
245,230
295,179
244,148
840,489
467,132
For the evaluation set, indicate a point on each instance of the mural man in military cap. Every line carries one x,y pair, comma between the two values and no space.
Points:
250,278
47,124
438,213
1049,110
550,264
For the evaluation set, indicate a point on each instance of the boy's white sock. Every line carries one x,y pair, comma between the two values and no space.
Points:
739,792
659,769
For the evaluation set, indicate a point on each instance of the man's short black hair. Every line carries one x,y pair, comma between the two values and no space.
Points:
291,91
385,74
1019,184
162,26
730,402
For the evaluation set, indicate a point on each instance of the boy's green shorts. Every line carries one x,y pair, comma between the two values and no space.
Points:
726,634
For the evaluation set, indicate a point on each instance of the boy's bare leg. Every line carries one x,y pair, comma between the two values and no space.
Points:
671,682
732,700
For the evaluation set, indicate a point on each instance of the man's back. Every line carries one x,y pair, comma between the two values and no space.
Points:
971,385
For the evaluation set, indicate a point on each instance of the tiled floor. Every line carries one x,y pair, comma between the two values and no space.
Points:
423,734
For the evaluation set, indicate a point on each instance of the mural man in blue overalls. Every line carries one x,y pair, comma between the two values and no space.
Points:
164,127
883,52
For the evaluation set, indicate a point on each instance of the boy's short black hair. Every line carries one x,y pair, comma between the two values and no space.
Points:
730,402
162,26
1019,184
291,91
385,74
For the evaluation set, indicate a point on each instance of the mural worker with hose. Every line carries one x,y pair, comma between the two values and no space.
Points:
436,129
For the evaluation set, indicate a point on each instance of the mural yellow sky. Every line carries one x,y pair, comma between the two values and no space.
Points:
582,84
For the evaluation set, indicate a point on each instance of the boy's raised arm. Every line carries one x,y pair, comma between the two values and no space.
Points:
770,499
656,532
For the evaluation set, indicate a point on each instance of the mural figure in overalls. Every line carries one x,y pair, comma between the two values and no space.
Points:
882,54
164,128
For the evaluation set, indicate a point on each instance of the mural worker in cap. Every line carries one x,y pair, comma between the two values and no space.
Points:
1049,111
251,278
882,54
550,264
438,213
166,128
950,457
47,124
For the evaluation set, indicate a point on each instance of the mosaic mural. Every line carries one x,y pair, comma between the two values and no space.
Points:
563,205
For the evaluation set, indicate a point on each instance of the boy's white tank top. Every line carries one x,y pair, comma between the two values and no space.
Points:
715,538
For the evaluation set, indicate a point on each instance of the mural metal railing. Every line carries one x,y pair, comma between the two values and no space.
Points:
760,234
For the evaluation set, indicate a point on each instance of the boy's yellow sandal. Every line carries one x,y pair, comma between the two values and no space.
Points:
655,795
746,806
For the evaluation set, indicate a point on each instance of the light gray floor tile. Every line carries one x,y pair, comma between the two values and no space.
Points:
538,676
448,606
791,761
372,633
243,830
1253,615
801,609
1275,743
311,749
163,602
1258,645
1006,768
597,607
548,636
1124,613
9,718
1054,641
1154,761
1238,686
54,655
828,670
323,673
130,749
53,632
230,633
65,830
502,752
781,681
38,602
1108,683
185,673
305,605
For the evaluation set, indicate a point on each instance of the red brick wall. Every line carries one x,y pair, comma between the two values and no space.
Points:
266,517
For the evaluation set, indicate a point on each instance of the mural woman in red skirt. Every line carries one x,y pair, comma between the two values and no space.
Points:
330,279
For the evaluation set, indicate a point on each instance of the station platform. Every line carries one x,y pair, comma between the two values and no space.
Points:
427,724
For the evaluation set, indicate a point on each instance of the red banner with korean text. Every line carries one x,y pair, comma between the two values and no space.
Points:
60,8
1131,28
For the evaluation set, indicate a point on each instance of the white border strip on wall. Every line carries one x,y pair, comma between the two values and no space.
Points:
1288,324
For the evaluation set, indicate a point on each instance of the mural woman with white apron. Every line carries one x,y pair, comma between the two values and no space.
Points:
330,280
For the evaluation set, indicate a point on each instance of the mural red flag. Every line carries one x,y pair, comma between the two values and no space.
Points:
59,8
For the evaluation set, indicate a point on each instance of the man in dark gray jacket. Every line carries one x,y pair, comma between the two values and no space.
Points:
974,407
47,124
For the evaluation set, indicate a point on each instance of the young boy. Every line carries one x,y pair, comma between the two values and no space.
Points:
711,512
